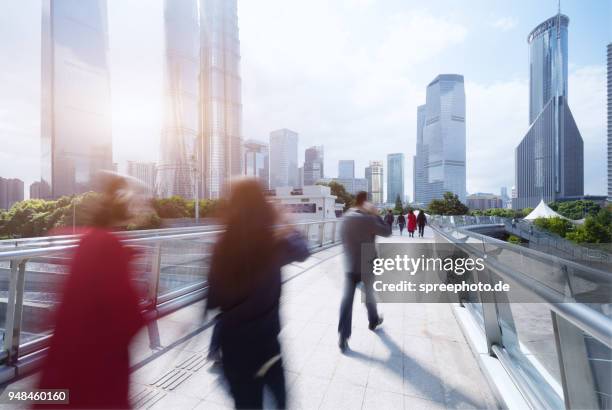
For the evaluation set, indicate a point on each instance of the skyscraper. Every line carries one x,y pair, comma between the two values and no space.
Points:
256,161
440,161
549,160
346,169
11,191
283,158
374,176
395,177
146,172
76,140
610,122
179,138
418,170
221,110
313,165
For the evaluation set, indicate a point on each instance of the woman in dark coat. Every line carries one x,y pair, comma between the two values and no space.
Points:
245,284
401,222
421,222
411,223
98,315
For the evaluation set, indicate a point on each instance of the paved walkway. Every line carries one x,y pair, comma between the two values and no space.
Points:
418,359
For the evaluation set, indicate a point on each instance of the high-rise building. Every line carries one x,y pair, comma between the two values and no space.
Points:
284,158
36,190
11,191
256,161
610,122
374,176
76,140
177,171
440,161
395,177
503,193
313,165
418,170
221,111
549,161
346,169
484,201
145,172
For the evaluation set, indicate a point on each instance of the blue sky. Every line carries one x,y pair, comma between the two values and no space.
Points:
347,74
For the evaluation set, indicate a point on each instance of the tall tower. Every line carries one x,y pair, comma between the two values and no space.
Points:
610,122
284,159
76,138
550,158
313,165
418,169
221,100
177,170
443,146
395,177
374,176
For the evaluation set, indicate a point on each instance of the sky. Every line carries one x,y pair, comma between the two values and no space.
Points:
347,74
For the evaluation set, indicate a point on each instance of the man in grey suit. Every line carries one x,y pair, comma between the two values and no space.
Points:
360,227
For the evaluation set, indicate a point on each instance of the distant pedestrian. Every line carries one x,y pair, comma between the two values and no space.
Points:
411,223
421,221
360,227
389,219
401,222
245,284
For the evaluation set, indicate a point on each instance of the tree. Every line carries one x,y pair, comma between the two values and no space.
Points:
173,207
576,209
448,205
556,225
596,229
399,207
342,196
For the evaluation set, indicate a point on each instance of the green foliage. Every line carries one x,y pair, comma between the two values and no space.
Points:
514,239
342,196
595,229
557,225
576,209
399,207
449,205
173,207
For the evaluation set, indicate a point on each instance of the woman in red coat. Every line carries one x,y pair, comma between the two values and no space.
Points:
411,223
98,315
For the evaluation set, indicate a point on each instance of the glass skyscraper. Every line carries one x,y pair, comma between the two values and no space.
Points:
284,159
610,122
375,178
256,161
346,169
440,161
313,164
550,158
76,138
177,170
221,114
395,177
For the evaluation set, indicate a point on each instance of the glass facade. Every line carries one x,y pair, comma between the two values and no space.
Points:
256,161
549,161
76,138
178,157
374,176
284,159
221,113
418,171
610,122
313,165
443,140
395,177
346,169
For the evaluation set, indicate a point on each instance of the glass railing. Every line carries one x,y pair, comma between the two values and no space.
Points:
170,271
553,330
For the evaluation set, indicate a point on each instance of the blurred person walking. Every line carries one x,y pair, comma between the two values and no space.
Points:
401,222
99,312
412,223
245,284
421,222
360,227
389,219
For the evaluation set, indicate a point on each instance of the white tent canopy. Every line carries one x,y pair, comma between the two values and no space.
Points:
542,211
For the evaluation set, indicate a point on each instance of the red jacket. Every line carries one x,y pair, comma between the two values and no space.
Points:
95,321
411,222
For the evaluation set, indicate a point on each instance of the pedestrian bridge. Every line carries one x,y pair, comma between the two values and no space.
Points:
550,352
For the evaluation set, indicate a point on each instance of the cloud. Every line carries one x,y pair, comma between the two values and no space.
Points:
504,23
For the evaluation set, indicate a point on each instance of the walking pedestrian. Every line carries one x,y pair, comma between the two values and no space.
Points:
245,284
411,223
401,222
421,222
360,227
389,219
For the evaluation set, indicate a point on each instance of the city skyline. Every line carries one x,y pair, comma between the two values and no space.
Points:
347,135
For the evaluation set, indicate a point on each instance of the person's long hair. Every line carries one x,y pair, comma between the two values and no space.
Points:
245,251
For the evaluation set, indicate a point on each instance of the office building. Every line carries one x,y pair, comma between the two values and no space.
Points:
11,191
76,140
484,201
309,203
313,165
146,172
256,161
220,82
374,176
439,165
395,177
610,122
346,169
284,159
351,185
36,190
178,170
549,161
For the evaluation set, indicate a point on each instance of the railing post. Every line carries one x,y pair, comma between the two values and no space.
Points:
334,224
14,310
155,274
321,233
